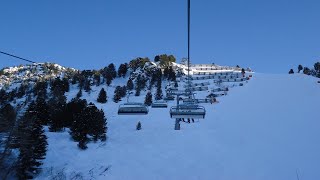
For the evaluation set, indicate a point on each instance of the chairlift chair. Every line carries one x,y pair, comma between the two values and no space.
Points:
190,101
169,98
188,111
133,109
159,104
192,110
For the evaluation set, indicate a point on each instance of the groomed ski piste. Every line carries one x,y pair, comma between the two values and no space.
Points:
266,129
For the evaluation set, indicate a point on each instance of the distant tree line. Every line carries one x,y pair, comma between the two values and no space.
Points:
164,60
315,71
88,78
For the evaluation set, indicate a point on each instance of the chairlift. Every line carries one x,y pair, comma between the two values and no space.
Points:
189,101
133,109
169,98
188,111
172,89
159,104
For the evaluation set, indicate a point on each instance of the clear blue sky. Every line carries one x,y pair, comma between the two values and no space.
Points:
266,35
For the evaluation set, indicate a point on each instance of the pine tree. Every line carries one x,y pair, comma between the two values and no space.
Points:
89,121
122,71
143,82
82,80
166,73
65,85
79,129
21,91
38,135
176,84
32,144
317,69
79,94
102,123
57,104
112,70
7,117
83,142
75,78
108,75
306,71
123,91
87,85
3,96
74,107
130,85
171,74
156,76
24,165
138,85
42,109
138,127
40,88
57,114
96,123
57,89
159,91
55,85
13,94
102,98
148,99
165,60
138,63
138,91
97,78
157,58
117,94
300,67
150,86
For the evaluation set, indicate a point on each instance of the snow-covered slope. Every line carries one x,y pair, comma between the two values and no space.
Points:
13,76
267,129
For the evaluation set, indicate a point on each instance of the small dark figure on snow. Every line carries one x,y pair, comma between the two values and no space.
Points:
138,127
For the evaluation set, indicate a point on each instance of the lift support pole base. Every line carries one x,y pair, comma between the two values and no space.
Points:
177,124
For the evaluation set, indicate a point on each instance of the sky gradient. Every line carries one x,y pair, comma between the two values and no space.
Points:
268,36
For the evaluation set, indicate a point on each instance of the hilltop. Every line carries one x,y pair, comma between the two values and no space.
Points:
31,73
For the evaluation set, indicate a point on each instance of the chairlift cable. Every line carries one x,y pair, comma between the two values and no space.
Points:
188,44
17,57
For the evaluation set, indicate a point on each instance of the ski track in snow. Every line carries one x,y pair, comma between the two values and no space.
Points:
267,129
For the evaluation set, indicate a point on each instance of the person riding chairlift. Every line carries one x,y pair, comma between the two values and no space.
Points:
213,100
243,72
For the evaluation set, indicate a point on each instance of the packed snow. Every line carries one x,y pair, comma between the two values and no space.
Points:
266,129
